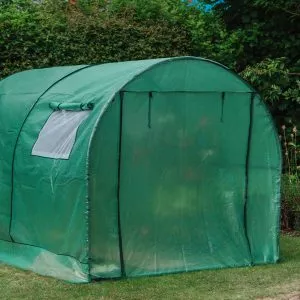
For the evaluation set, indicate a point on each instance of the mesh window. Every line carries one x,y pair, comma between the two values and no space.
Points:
57,137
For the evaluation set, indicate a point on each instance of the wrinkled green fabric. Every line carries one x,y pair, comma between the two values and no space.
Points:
17,97
173,170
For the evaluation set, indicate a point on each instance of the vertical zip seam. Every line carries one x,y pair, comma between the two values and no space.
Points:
222,107
150,109
122,264
247,171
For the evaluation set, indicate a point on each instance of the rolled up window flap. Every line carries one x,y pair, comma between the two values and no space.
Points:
75,106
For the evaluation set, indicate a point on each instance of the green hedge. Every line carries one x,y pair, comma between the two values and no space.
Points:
35,38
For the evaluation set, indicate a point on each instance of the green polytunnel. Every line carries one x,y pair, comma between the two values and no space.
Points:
136,168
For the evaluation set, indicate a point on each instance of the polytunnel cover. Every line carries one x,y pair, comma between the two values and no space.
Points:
136,168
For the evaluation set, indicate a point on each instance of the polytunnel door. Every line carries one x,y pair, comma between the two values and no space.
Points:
182,181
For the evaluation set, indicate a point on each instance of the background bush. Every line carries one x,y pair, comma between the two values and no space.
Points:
54,33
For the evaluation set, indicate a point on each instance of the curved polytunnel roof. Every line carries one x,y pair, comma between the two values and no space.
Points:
28,95
99,83
25,97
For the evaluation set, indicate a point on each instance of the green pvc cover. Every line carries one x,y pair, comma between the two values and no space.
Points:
136,168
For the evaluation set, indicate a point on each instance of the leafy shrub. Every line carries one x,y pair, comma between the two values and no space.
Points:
290,205
55,33
279,87
291,178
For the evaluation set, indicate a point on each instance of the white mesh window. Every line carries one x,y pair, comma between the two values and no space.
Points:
58,135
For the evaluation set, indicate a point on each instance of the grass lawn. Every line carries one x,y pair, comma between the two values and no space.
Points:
242,283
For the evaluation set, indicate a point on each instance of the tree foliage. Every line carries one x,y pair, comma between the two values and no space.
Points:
278,86
266,28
